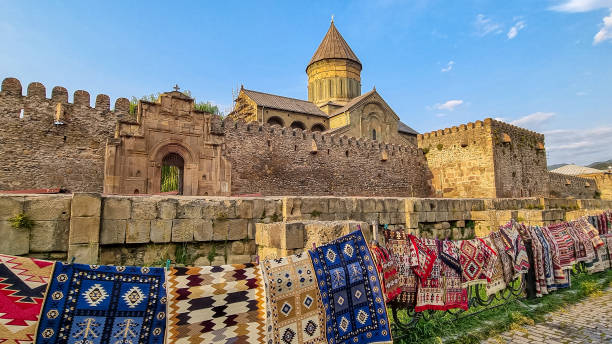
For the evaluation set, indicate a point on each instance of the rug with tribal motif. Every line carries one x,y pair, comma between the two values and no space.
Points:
351,292
477,261
515,246
387,271
399,246
23,283
422,257
216,304
497,282
295,313
590,231
103,304
500,248
565,244
583,246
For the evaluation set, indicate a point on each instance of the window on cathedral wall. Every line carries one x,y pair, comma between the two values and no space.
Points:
374,134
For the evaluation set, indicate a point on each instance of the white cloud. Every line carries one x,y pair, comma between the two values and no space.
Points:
440,115
449,105
449,67
605,33
533,120
582,93
581,5
581,146
485,26
514,30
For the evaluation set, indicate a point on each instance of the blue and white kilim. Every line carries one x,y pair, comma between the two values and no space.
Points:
90,304
350,290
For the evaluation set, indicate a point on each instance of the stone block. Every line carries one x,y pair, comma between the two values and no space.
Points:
456,234
292,235
337,205
84,253
244,209
292,208
10,206
316,205
167,209
86,205
14,241
144,209
116,208
47,207
238,229
442,216
228,208
239,259
188,210
113,232
237,247
49,236
460,223
161,231
182,230
138,231
409,205
268,235
368,205
431,216
412,220
203,230
84,230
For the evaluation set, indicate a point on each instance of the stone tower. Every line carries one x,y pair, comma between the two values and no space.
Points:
334,72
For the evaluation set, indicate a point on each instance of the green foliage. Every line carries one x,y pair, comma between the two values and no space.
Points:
200,106
274,217
170,178
221,217
315,213
211,255
597,194
182,256
21,221
440,146
426,150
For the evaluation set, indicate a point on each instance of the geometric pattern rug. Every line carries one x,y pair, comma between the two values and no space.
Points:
399,245
104,304
295,312
351,291
477,260
23,282
216,304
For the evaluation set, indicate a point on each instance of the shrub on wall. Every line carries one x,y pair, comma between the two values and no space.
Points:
21,221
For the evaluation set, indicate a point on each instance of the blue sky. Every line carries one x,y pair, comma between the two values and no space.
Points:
544,65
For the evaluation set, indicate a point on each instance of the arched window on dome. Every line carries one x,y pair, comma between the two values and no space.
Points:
374,134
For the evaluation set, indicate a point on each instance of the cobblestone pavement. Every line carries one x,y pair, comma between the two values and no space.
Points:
589,321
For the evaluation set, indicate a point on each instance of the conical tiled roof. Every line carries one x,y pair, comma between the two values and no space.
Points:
333,46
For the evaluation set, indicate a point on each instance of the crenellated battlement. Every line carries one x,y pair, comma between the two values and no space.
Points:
329,141
488,123
36,91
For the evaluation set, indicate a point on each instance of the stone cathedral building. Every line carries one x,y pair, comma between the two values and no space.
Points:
335,103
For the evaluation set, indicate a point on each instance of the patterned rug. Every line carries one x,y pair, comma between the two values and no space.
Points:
422,257
399,246
103,304
455,295
350,289
538,263
497,282
583,246
216,304
500,248
559,277
295,313
477,261
387,271
515,246
449,255
601,261
443,289
23,283
565,244
590,231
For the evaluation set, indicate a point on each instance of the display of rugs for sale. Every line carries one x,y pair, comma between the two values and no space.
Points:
583,246
601,261
547,262
565,244
399,246
23,283
351,292
590,231
295,314
449,254
216,304
559,277
477,261
387,270
538,264
103,304
422,257
455,295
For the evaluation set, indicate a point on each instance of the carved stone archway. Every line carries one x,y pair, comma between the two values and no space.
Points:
169,148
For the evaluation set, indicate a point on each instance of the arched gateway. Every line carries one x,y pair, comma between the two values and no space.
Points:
168,148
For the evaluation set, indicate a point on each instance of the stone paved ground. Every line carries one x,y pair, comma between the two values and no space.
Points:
589,321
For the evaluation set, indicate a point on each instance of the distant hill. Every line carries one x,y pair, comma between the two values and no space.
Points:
552,167
601,165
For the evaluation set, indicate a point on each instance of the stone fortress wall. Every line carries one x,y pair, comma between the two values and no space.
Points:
147,230
281,161
49,142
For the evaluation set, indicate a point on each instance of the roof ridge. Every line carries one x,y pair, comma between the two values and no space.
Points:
276,95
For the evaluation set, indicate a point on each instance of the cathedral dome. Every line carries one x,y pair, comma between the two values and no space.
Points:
333,46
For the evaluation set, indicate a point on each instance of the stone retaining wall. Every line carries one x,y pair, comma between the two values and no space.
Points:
147,230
